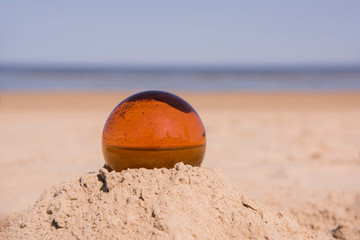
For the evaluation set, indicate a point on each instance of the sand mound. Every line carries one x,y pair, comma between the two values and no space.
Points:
336,214
180,203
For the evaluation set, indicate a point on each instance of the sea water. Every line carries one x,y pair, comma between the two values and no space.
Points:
193,79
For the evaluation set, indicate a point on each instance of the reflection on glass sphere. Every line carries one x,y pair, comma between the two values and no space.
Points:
153,129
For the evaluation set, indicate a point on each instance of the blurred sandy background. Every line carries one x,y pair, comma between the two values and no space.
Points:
294,152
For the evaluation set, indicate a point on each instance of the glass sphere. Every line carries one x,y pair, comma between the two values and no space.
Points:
153,129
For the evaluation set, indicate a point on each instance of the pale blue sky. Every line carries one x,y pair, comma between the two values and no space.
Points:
180,32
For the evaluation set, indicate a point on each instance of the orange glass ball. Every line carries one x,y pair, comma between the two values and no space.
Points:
153,129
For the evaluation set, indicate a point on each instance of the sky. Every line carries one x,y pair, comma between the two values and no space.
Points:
306,32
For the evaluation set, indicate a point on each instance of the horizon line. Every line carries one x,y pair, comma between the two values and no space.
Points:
176,68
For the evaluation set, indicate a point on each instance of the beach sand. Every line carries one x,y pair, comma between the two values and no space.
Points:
294,153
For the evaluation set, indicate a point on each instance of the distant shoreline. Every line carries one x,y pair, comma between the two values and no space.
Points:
180,79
